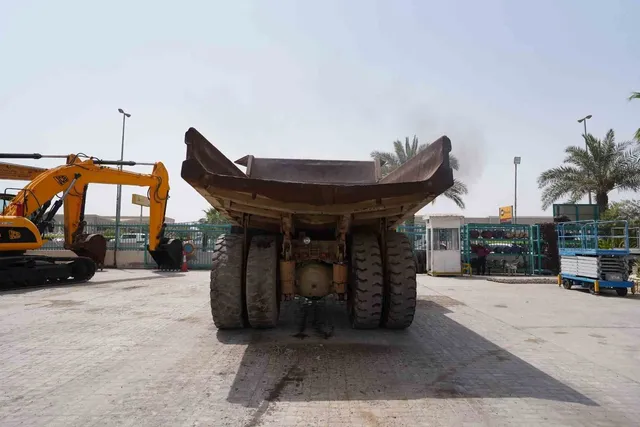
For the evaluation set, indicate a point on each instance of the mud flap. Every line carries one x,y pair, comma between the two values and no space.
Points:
93,246
168,255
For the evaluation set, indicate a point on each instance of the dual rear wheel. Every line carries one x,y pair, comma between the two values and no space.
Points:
373,299
257,304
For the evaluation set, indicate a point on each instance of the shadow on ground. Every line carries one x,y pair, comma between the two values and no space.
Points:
436,357
100,278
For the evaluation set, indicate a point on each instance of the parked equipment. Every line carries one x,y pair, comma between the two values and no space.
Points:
28,216
594,255
311,228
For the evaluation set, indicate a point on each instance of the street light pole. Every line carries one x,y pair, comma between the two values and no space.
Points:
586,147
119,194
516,162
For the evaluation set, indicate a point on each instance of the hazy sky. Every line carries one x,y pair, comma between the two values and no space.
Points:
324,79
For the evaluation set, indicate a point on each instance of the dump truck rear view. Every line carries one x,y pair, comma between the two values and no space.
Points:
313,228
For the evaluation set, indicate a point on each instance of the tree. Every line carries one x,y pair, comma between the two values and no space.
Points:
600,168
628,210
635,95
402,153
212,216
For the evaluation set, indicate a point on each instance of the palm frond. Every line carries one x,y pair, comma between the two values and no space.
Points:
634,95
400,153
385,157
456,192
604,165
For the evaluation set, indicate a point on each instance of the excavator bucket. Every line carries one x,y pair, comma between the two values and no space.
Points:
92,246
168,255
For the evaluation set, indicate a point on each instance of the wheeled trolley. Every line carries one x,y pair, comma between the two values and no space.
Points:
594,255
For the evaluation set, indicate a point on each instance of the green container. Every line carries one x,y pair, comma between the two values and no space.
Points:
577,211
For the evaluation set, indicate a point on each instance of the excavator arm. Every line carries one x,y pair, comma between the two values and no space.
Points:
30,207
166,252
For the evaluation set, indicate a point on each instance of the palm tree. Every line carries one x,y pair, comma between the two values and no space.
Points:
402,153
600,168
636,95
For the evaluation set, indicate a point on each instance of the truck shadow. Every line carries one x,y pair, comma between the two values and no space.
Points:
436,357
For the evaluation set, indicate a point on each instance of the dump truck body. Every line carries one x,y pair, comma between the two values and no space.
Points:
314,227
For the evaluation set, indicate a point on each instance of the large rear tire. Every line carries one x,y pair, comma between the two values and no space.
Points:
262,282
365,282
400,293
226,282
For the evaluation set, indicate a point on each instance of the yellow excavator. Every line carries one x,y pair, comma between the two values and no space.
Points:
28,215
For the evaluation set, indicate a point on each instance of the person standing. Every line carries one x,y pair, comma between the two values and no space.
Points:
483,252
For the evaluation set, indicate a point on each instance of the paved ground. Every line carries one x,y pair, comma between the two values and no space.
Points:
138,348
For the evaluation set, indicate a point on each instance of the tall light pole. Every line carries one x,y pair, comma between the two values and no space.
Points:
119,196
516,162
586,147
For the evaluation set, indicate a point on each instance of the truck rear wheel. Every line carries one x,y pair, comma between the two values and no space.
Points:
262,282
226,282
365,282
400,293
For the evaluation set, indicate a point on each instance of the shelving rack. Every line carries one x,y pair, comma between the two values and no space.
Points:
508,243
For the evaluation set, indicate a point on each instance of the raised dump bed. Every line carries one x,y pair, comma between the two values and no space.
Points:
313,228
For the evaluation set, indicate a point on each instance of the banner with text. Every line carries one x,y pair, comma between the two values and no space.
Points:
506,214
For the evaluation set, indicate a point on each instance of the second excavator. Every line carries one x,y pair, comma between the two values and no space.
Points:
28,215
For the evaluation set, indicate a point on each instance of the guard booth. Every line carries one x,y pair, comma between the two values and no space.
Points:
443,244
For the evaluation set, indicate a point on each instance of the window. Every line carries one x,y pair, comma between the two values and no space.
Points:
446,239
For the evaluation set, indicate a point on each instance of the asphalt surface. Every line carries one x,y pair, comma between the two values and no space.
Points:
139,348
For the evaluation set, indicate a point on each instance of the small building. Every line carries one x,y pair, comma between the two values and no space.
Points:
443,244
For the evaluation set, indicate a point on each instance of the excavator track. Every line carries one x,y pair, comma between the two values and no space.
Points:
19,271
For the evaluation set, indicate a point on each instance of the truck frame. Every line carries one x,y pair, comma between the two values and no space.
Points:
313,228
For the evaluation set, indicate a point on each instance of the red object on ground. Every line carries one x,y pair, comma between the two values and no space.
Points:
184,262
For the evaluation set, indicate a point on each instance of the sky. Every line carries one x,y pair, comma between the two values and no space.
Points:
319,79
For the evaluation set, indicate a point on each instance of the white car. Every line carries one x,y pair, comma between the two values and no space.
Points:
131,239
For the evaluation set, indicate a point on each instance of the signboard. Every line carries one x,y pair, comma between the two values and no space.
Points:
137,199
506,214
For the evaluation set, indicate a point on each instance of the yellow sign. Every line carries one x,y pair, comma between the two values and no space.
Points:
137,199
506,214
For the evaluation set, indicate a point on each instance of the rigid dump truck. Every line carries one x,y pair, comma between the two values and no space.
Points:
313,228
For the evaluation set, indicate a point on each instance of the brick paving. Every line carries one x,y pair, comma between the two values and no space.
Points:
138,348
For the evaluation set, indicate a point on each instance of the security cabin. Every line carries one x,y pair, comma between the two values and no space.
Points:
443,244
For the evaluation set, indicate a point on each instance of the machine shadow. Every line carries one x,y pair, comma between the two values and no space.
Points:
436,357
96,280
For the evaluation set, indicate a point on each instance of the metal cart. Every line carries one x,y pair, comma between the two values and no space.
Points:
594,255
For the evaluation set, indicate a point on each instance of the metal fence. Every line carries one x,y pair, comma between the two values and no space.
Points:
135,237
417,235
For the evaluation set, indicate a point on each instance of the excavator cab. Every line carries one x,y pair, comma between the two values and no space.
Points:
6,199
